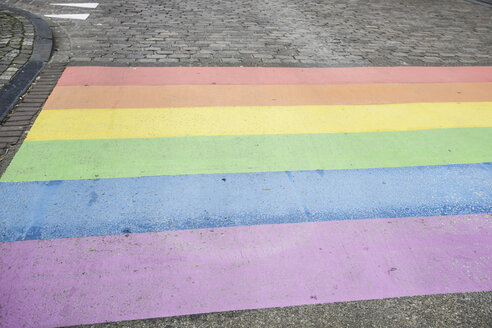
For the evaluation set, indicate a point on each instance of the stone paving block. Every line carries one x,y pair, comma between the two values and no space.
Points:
8,139
15,44
11,133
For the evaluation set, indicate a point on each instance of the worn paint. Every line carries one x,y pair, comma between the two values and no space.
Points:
270,75
121,151
72,281
116,158
202,121
78,97
52,209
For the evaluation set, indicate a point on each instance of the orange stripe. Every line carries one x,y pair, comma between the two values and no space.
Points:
263,95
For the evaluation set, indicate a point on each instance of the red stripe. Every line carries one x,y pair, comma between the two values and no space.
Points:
74,76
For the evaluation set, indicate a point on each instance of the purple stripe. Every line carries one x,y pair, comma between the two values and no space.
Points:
96,279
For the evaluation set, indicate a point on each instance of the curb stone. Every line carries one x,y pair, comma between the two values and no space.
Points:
43,44
486,3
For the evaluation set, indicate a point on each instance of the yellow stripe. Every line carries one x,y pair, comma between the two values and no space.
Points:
205,121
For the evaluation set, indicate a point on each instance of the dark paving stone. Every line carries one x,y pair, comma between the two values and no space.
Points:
16,39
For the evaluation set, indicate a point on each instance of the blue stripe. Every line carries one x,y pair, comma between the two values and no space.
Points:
74,208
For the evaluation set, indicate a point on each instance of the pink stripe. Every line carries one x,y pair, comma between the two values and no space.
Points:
87,280
270,75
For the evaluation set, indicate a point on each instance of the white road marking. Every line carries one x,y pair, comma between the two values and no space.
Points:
70,16
91,5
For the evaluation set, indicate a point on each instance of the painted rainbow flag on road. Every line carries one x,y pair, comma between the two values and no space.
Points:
151,192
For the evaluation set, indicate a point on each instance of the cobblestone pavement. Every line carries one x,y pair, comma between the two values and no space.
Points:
16,39
269,33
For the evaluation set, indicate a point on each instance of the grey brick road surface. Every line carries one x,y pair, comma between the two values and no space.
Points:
16,39
273,32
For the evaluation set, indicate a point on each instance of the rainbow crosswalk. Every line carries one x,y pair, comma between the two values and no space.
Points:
150,192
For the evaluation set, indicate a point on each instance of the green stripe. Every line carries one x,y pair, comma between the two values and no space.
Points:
114,158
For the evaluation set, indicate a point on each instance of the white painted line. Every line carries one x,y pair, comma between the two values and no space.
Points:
90,5
70,16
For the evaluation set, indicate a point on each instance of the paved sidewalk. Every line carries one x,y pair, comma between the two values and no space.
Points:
16,41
